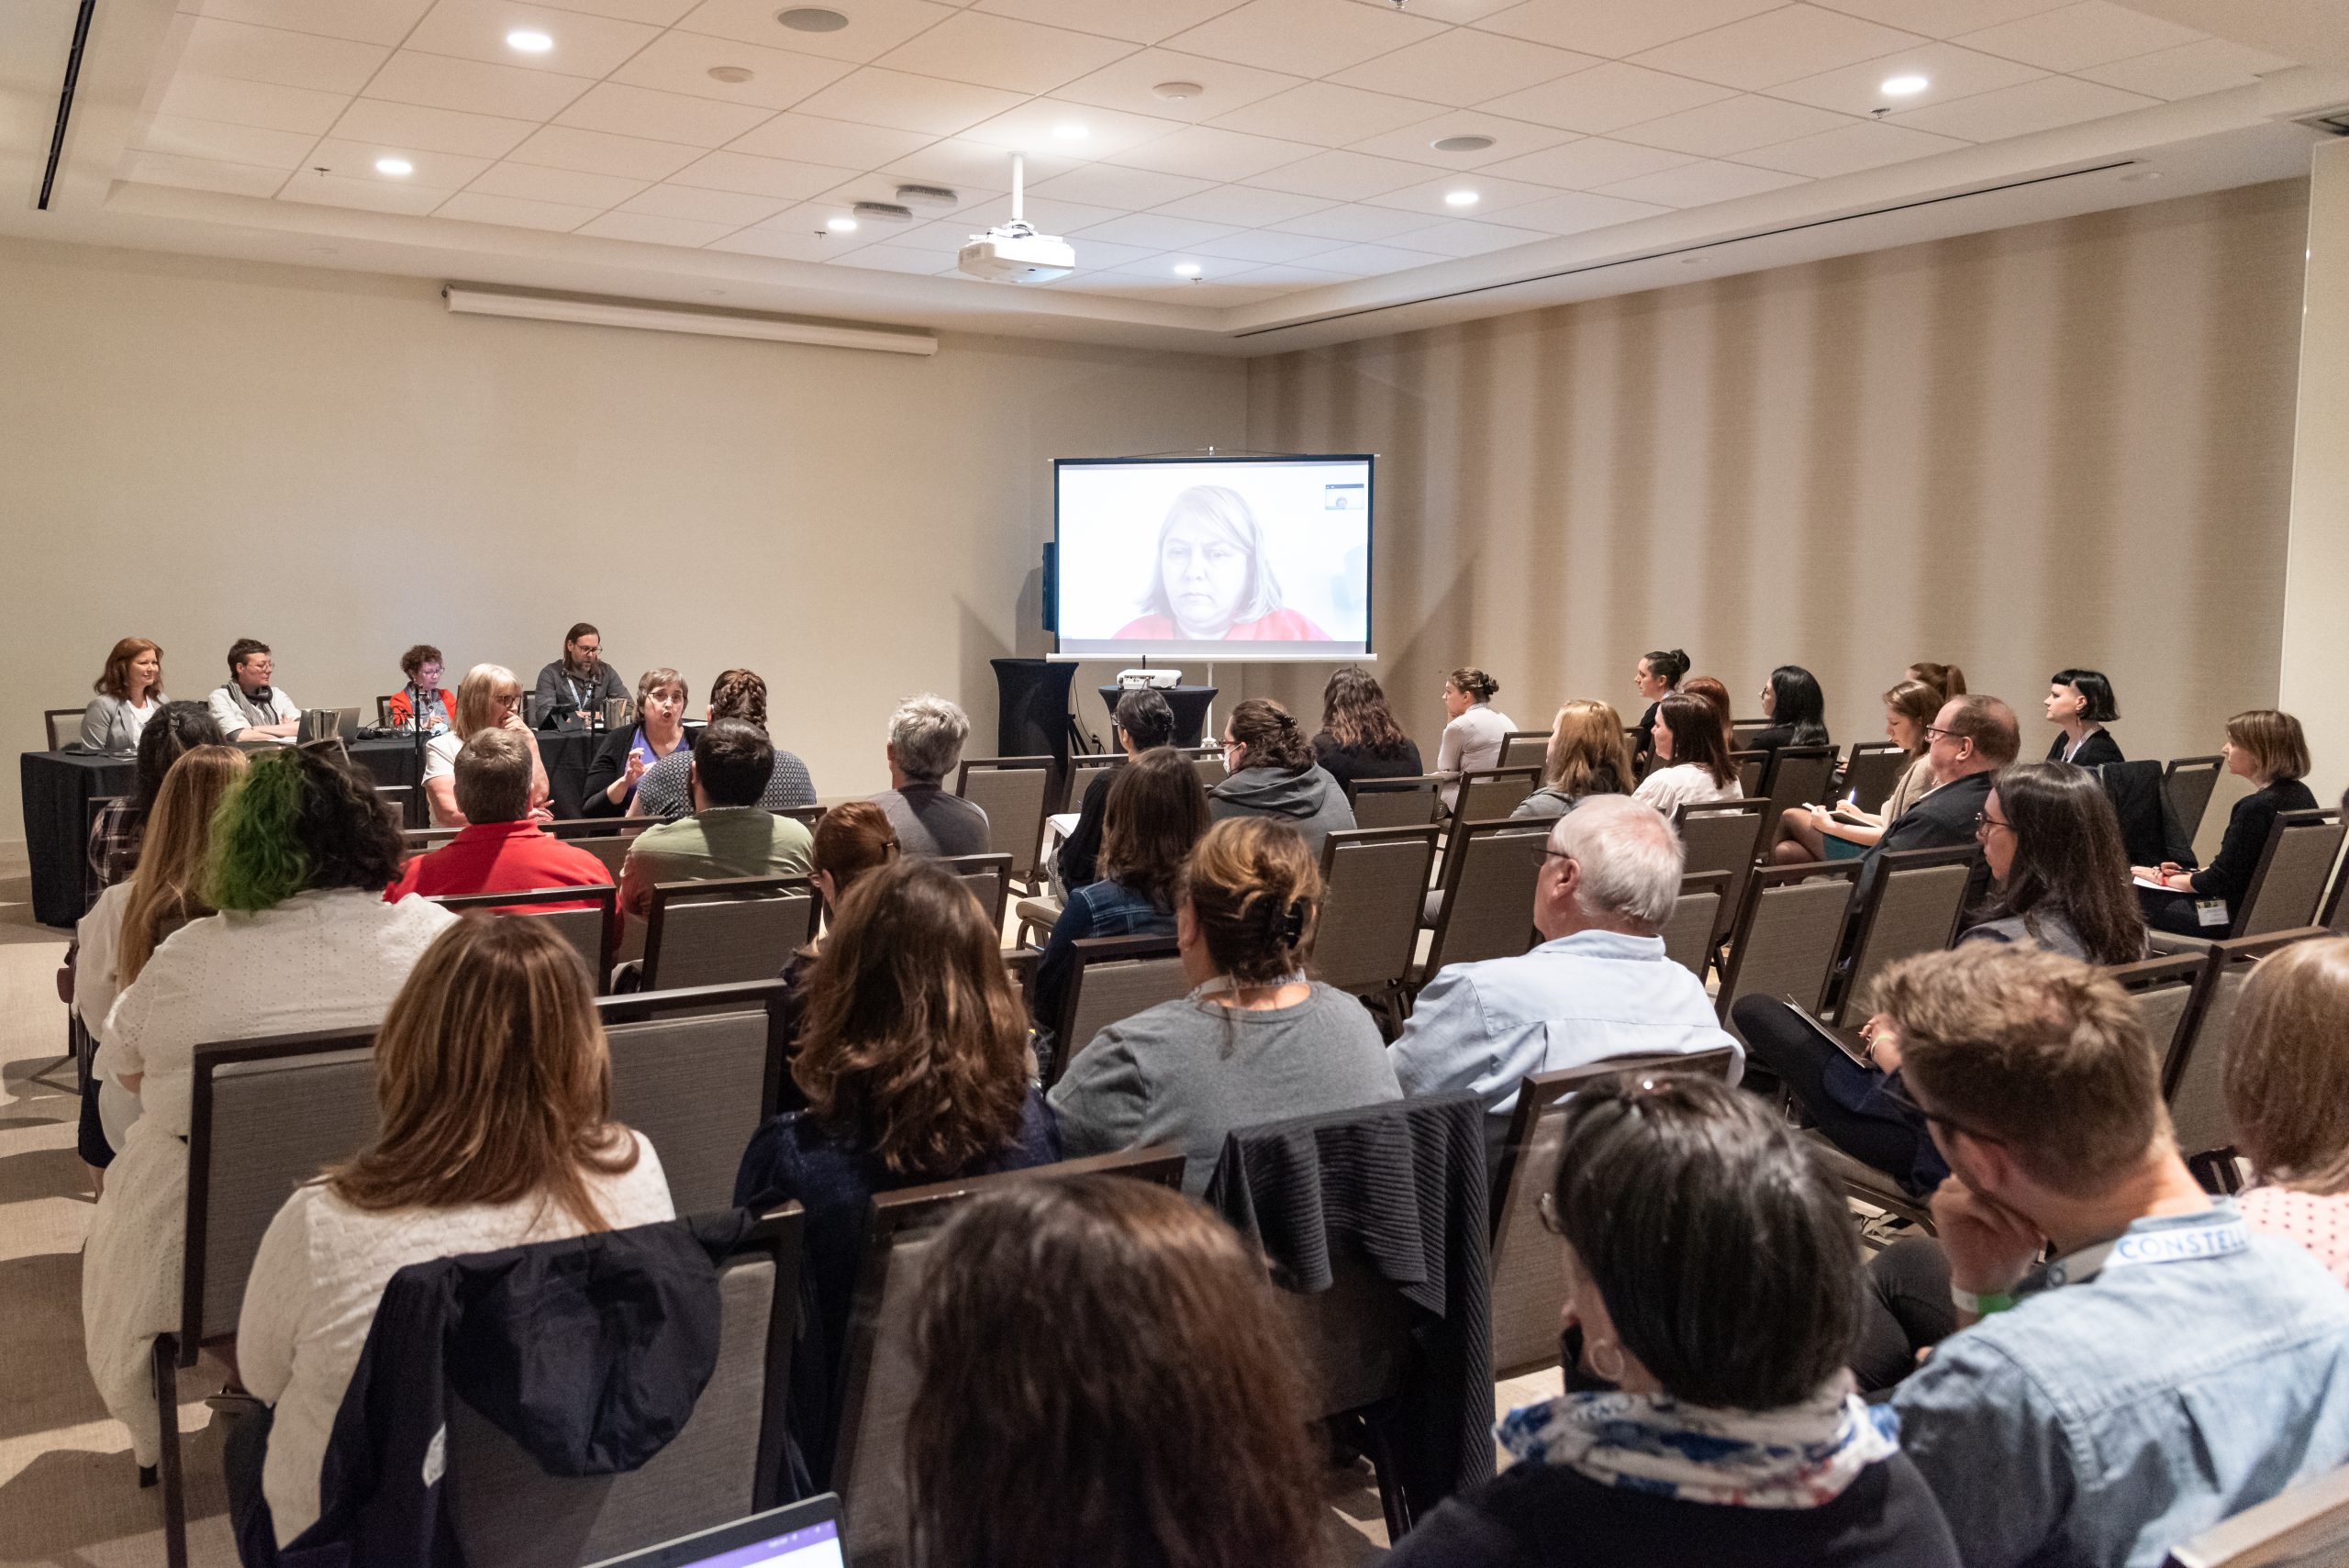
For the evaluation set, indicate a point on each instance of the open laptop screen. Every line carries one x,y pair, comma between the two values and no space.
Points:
815,1546
803,1535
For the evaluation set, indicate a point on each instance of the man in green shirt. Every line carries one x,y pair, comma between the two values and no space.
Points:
729,833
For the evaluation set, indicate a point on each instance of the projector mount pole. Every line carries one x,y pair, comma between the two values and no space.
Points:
1019,173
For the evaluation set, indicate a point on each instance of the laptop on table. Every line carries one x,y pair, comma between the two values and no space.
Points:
802,1535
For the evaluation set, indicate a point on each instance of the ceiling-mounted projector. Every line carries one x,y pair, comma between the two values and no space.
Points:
1014,252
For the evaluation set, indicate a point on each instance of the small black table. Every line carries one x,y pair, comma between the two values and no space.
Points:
1190,704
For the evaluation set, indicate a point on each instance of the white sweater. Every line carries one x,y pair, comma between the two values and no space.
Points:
1685,784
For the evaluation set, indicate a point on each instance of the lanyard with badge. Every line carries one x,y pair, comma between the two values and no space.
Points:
2221,1237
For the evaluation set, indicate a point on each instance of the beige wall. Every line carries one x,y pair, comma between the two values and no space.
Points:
195,451
2064,444
2316,601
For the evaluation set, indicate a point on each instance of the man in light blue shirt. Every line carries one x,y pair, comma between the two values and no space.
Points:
1599,985
2168,1368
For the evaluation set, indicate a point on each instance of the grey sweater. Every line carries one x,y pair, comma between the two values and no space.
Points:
1308,800
1188,1072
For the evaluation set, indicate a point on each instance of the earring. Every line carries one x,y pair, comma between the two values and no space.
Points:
1590,1353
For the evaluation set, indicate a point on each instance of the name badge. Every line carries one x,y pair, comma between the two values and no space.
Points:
2211,911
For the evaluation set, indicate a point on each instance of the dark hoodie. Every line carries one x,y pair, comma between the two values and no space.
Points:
1307,799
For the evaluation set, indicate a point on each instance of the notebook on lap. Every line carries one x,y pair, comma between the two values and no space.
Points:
802,1535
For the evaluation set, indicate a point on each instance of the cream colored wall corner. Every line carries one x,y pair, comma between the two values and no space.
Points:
2316,583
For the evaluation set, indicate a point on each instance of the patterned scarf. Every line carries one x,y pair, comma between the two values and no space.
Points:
1797,1457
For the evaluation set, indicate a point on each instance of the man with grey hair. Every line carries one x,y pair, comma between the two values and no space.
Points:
1598,984
926,736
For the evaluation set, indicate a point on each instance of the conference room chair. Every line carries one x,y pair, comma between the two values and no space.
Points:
2288,890
1486,908
2187,781
1750,766
1913,907
2299,1528
1797,775
1721,835
592,933
697,1071
2164,990
728,928
1489,793
1373,881
880,1372
1696,914
2193,1076
407,801
805,815
610,843
1397,803
989,879
1083,767
1528,1277
423,841
1787,932
1033,920
727,1462
70,718
1741,731
1525,748
1871,1186
1871,773
1208,761
1111,979
92,883
1015,793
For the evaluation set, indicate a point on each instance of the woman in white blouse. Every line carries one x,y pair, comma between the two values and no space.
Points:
130,689
1692,763
1475,731
493,1082
489,697
302,851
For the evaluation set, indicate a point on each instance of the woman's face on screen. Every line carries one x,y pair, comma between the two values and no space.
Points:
1205,575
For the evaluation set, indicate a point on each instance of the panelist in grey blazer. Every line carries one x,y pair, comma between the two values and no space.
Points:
130,691
246,706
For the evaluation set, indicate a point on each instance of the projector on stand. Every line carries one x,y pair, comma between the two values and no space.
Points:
1162,680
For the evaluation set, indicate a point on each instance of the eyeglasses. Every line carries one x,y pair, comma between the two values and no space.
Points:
1540,855
1984,822
1892,1089
1546,1205
1934,732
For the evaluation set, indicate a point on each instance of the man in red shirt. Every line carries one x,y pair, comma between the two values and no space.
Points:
501,850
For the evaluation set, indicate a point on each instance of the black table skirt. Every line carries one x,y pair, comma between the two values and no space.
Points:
57,787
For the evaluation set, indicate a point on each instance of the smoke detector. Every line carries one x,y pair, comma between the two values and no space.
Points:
927,196
882,212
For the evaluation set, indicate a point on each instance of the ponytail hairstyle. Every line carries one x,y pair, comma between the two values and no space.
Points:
852,838
1697,736
1476,684
1667,667
1946,679
1273,739
1255,893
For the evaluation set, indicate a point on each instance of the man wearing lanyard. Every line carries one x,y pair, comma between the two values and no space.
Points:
2165,1368
578,682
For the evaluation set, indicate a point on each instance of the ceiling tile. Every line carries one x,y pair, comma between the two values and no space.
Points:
1701,185
1131,189
1341,176
1492,194
259,104
2019,111
514,212
792,245
1463,238
682,63
569,185
1100,255
272,54
1034,125
811,140
660,116
1244,205
355,160
648,229
1137,21
370,195
998,51
660,13
694,205
1155,232
1943,18
758,176
1416,143
1949,71
1263,245
1367,260
1777,46
367,21
1323,113
971,169
892,98
1610,29
1061,218
2188,71
1463,66
1311,37
279,150
1863,144
1206,153
599,152
1732,125
889,259
1607,97
474,87
1126,86
476,29
2077,37
201,174
1586,164
1353,224
1580,211
875,27
1290,279
431,130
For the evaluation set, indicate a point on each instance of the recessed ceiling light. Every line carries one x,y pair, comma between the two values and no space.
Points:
1904,86
528,41
1175,92
1186,268
840,225
1461,143
811,19
394,166
1070,132
1460,198
732,75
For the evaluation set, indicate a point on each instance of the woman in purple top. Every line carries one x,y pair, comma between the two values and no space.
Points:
627,753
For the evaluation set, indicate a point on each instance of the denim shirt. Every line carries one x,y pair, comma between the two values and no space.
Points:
2107,1421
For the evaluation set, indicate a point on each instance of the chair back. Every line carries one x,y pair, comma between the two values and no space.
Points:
1786,934
2301,1528
726,930
805,815
91,883
1397,803
1489,793
1015,793
2288,890
987,876
880,1376
1913,906
2193,1077
1374,881
51,718
1111,979
2188,781
1528,1275
1489,872
726,1463
696,1071
610,843
1741,731
1871,773
406,804
424,841
1797,776
1083,767
1750,766
1695,914
2164,990
1208,760
1726,836
1526,749
591,931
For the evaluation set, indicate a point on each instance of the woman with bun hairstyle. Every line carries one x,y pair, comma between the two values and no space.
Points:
1270,772
1657,675
1476,730
1257,1039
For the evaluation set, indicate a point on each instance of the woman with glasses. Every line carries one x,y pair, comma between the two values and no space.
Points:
1270,772
1713,1280
489,697
630,751
1795,708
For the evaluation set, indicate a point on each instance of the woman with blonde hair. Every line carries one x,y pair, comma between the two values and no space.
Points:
2287,1096
130,691
1589,754
1257,1039
489,697
493,1083
2269,750
1212,580
1845,831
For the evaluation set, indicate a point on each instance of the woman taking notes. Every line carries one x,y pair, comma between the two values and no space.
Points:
1843,831
627,753
130,690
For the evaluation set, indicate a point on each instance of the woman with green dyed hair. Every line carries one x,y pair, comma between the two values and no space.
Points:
302,851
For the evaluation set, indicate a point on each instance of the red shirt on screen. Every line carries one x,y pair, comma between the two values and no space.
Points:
1281,626
502,857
